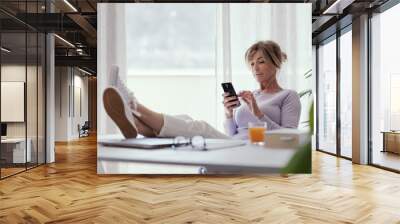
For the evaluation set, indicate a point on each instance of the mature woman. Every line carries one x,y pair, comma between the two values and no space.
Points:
279,108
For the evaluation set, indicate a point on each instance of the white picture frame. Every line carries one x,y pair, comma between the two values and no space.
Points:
12,101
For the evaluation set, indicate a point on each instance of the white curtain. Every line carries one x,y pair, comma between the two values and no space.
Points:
111,50
237,27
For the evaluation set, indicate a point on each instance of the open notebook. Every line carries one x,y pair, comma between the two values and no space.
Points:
158,143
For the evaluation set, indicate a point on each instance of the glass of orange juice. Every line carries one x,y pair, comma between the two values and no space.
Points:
256,132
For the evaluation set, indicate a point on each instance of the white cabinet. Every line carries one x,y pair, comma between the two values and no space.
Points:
15,148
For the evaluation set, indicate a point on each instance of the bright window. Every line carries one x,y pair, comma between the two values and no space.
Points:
385,83
170,39
171,57
346,94
327,97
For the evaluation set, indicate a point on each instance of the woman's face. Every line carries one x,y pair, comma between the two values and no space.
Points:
262,68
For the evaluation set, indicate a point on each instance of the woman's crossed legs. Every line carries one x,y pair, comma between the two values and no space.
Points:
132,117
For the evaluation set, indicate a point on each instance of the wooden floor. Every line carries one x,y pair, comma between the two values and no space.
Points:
10,171
70,191
386,159
5,172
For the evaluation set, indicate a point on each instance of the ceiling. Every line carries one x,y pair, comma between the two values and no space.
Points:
78,27
76,22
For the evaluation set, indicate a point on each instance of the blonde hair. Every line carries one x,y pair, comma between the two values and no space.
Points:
270,50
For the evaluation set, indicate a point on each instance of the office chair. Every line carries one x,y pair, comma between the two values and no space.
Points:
84,130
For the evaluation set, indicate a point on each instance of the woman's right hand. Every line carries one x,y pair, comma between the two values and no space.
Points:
229,102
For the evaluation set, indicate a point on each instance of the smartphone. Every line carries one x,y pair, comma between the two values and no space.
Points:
228,88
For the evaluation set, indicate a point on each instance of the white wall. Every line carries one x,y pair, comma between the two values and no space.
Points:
71,94
61,104
80,109
17,73
14,73
33,126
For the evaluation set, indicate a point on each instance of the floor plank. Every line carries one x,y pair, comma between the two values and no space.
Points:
70,191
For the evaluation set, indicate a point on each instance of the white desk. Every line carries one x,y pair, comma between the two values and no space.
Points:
18,149
243,159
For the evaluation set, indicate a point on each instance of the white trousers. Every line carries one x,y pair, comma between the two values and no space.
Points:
183,125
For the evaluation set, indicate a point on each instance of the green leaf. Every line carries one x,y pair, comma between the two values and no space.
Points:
311,117
308,74
301,160
305,92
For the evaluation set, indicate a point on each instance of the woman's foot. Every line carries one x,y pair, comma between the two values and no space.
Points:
114,80
154,121
119,111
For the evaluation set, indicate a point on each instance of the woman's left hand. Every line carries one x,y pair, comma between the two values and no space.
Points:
249,99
